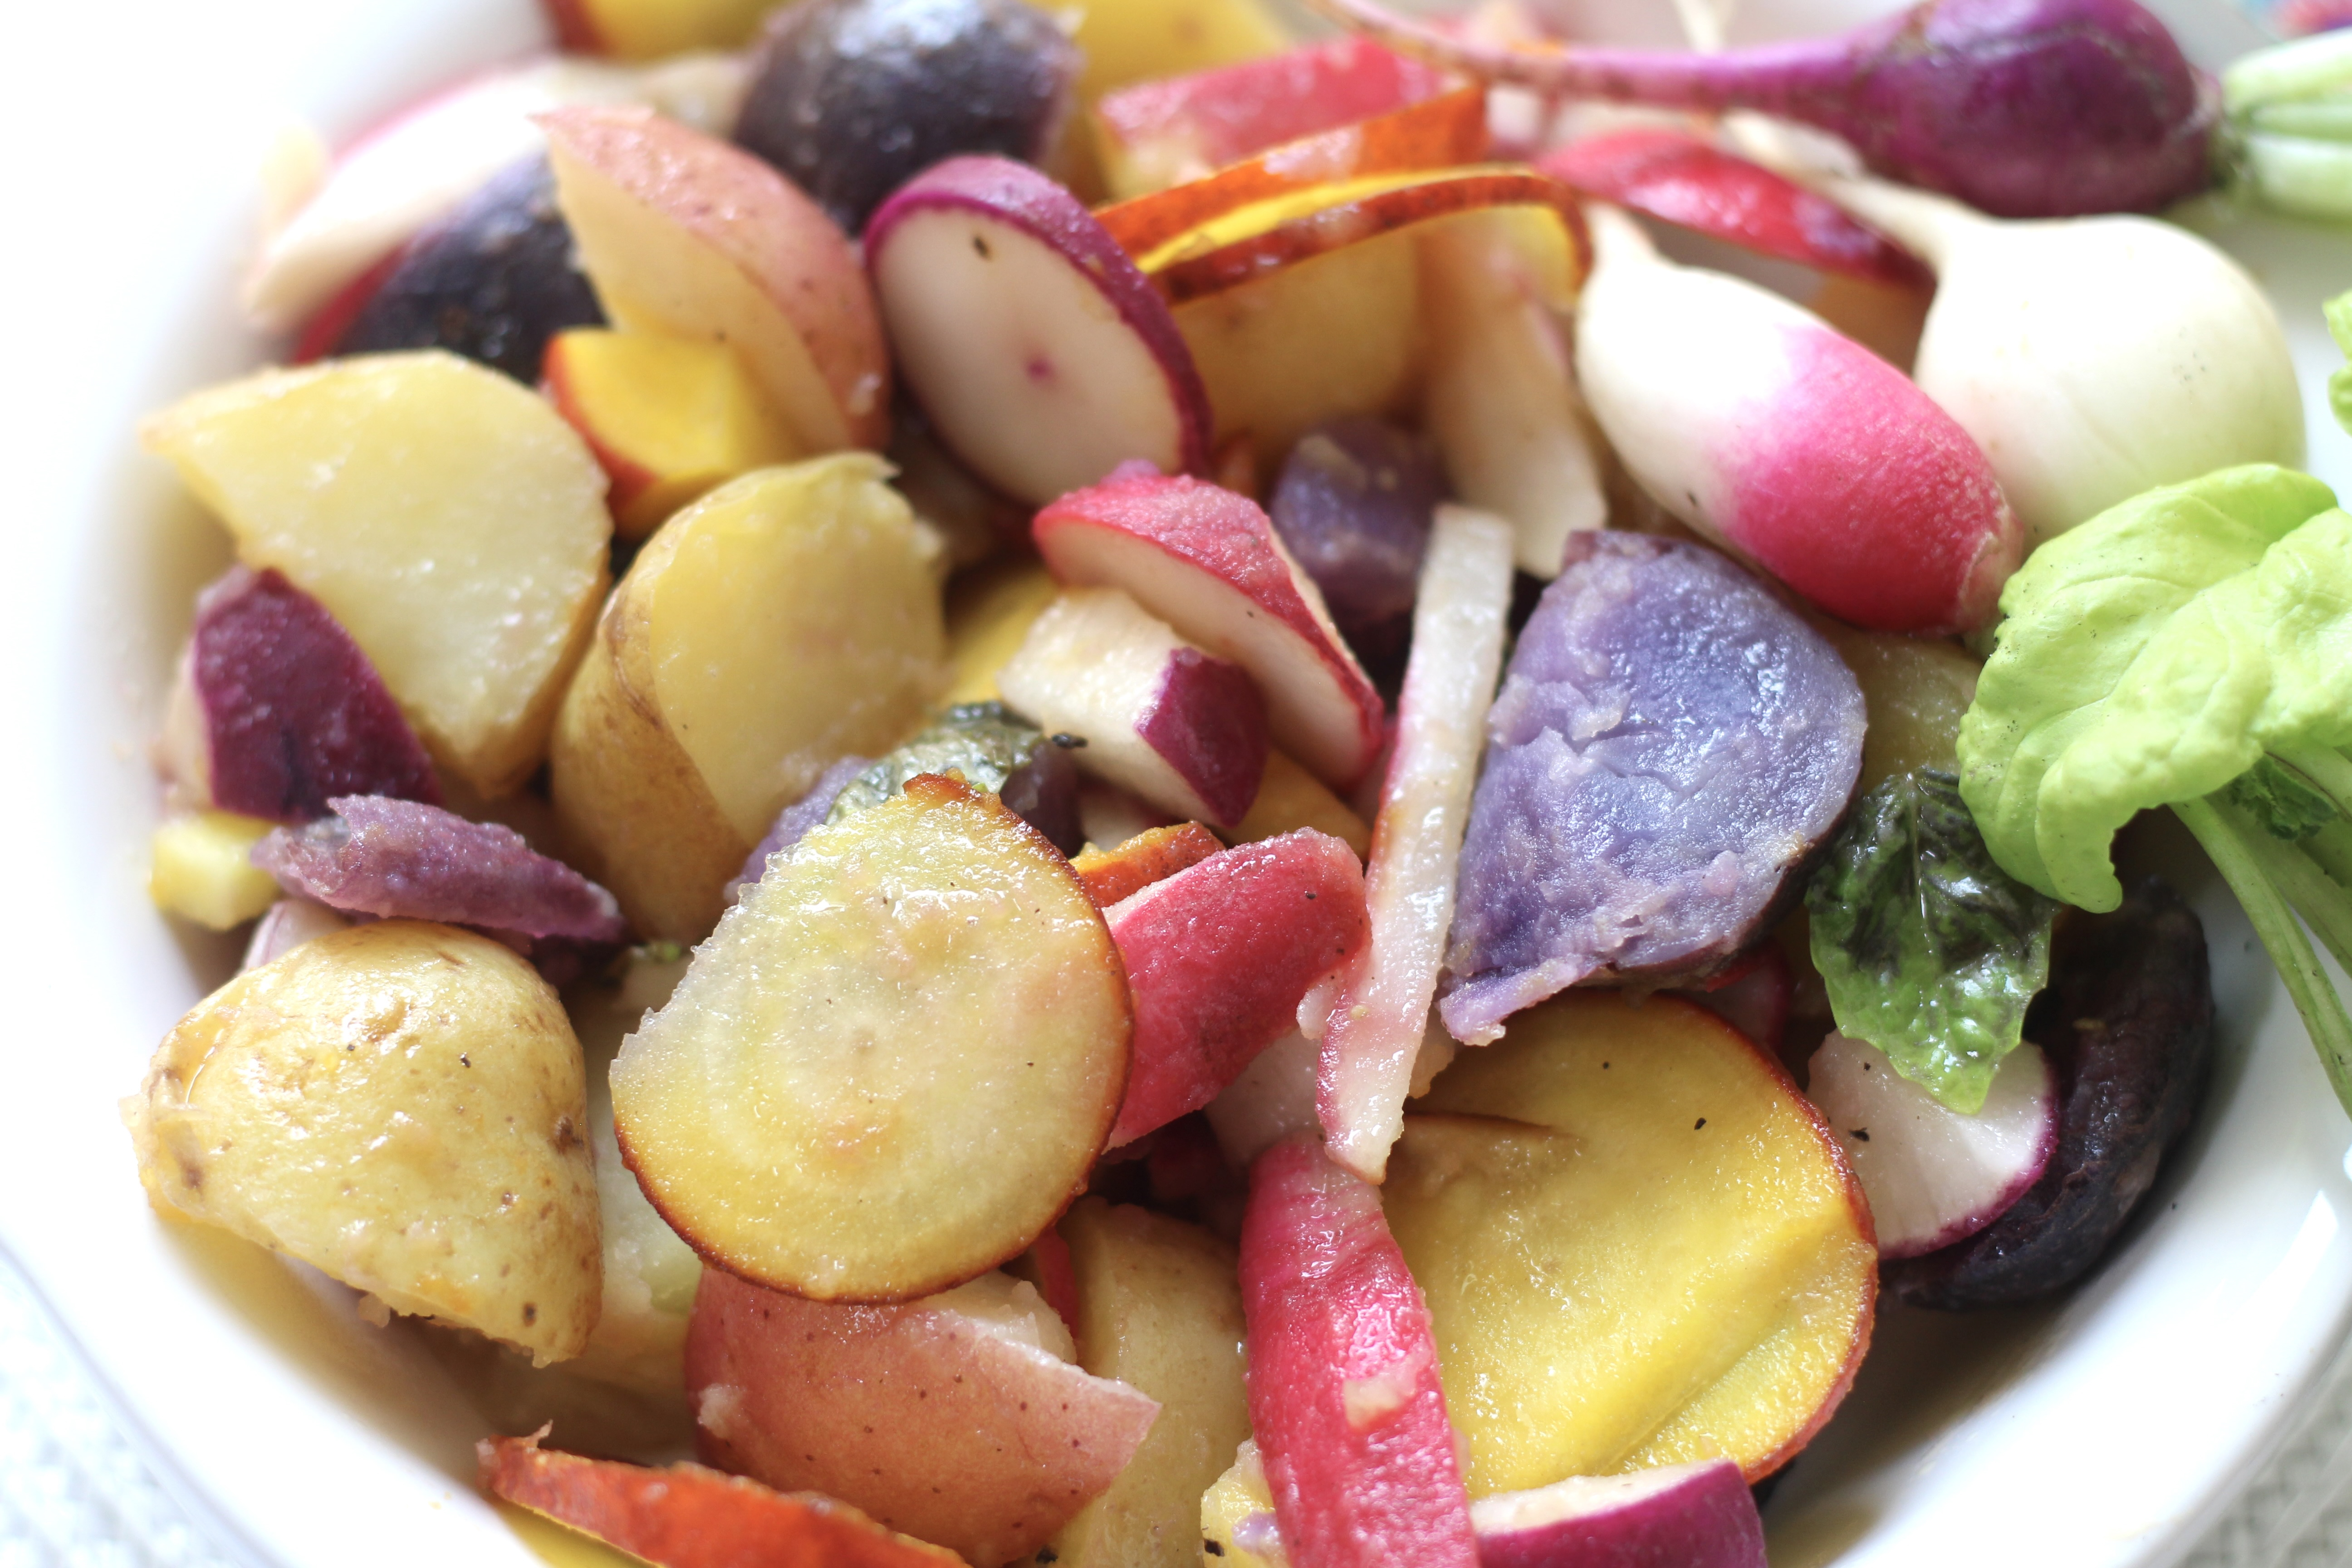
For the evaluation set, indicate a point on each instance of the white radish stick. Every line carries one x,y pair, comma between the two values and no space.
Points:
1374,1036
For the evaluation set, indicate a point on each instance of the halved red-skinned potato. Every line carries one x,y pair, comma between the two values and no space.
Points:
1440,133
682,234
686,1516
825,1105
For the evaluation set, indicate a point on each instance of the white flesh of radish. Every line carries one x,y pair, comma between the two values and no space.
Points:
1030,372
1933,1175
1500,397
1373,1041
287,925
1702,1513
1273,1097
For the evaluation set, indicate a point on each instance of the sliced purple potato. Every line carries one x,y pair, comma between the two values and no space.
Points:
850,98
1041,356
278,710
397,858
793,823
1933,1175
2128,1021
1699,1515
1352,506
1670,748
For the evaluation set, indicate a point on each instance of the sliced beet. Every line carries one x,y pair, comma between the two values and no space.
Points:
851,98
291,712
493,281
1670,747
399,858
2127,1021
1352,506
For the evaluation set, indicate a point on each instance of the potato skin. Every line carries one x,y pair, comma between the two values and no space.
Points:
401,1105
2128,1019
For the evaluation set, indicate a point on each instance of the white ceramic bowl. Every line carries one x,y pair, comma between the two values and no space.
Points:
2102,1431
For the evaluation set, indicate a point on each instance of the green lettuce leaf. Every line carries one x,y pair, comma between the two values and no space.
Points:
981,740
1931,951
2151,655
2339,386
2282,801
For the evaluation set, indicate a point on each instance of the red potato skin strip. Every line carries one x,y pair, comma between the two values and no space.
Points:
1682,180
688,1516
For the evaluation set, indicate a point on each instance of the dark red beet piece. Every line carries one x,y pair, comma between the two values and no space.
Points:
293,713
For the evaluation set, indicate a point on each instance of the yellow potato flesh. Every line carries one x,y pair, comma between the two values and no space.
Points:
1914,691
448,518
1671,1263
200,868
892,1064
399,1104
989,612
1125,41
795,620
1160,1306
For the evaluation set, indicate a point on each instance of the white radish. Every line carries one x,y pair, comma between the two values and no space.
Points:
1933,1175
1373,1039
2092,358
1500,395
1751,420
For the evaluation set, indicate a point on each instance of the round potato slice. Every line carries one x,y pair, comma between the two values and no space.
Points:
892,1066
401,1105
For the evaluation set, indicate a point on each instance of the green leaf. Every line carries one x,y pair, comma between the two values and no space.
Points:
2150,656
1930,951
2281,800
981,740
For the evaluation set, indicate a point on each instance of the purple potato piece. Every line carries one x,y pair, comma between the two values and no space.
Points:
1671,747
493,281
851,98
291,712
397,858
2128,1021
1352,506
794,822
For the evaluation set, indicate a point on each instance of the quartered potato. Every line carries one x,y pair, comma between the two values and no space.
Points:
892,1065
401,1105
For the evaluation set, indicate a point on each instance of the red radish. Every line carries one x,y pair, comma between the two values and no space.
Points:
1218,956
1041,356
1207,561
1750,420
1374,1036
1343,1392
1933,1175
1753,997
1699,1515
1184,730
1682,180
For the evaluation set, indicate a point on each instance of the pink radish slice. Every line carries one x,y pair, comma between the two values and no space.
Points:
1679,179
1750,420
1041,356
1698,1515
1933,1175
1381,1010
1207,562
1343,1392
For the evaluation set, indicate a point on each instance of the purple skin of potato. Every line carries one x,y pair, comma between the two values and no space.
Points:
1352,506
849,99
794,822
1043,793
2022,108
397,858
1019,197
2128,1021
1670,748
293,713
1692,1516
1208,722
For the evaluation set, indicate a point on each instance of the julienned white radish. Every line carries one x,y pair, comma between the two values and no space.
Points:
1041,356
1500,394
1751,420
1933,1175
423,162
1699,1515
2092,358
1373,1038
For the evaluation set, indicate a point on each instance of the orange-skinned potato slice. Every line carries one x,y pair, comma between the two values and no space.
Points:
894,1063
1265,236
1437,133
685,1516
1152,856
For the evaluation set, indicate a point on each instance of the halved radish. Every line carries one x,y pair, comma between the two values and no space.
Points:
1699,1515
1207,562
1934,1176
1041,354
